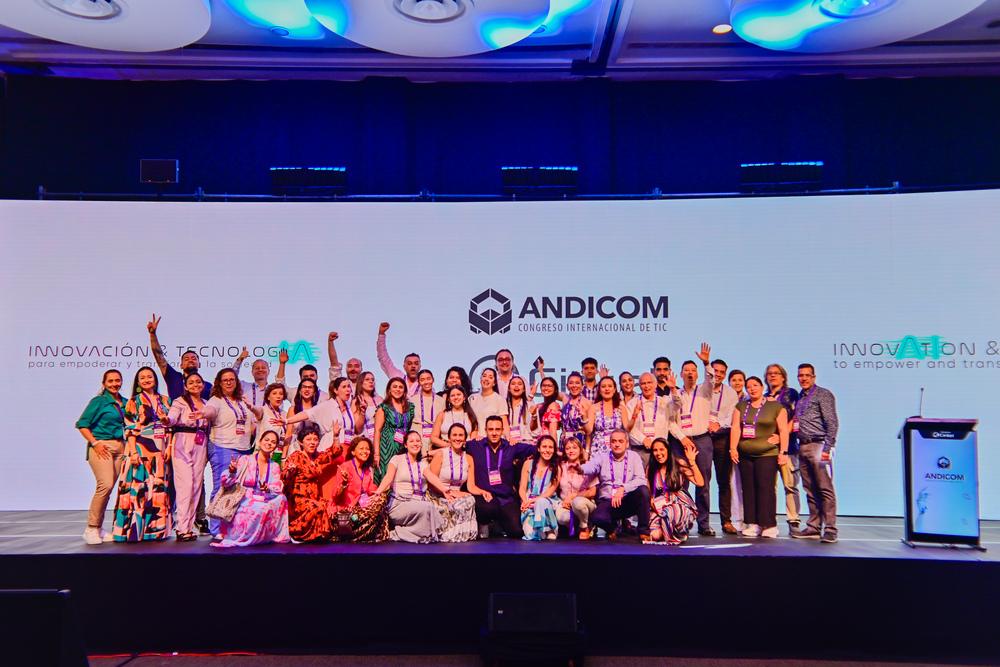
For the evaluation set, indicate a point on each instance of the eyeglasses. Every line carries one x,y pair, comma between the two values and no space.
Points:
806,375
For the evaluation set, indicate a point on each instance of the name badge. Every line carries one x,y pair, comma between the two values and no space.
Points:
750,431
426,429
199,438
515,433
659,504
687,421
348,433
795,426
648,429
240,428
495,478
159,431
398,436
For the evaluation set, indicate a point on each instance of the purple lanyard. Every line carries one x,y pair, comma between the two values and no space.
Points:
361,475
756,415
423,417
451,467
404,420
241,416
804,400
541,487
524,405
121,413
694,394
718,406
267,478
152,404
419,486
611,460
343,419
489,460
254,385
663,480
642,409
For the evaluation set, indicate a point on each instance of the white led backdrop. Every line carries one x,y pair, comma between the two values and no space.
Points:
884,294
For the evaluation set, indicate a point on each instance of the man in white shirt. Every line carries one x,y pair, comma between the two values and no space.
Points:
260,370
504,360
695,410
724,400
354,365
652,417
411,363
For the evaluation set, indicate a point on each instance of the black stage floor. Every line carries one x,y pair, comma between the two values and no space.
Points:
866,596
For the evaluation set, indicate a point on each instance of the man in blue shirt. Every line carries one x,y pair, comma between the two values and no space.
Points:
816,424
623,490
493,483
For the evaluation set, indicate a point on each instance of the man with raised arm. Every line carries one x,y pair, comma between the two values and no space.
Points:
260,370
190,363
354,365
411,363
695,410
724,400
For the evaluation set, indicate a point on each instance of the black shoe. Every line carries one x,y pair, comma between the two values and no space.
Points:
828,537
706,532
806,533
202,527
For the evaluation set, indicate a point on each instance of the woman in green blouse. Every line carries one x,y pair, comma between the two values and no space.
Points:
758,443
102,425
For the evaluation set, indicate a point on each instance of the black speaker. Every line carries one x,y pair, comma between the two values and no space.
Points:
159,171
542,613
39,628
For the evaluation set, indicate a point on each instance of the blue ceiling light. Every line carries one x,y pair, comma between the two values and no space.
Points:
780,24
287,18
501,32
853,9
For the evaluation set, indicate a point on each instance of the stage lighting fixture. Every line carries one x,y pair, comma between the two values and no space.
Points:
115,25
771,177
309,181
820,26
159,171
540,182
285,18
434,28
722,29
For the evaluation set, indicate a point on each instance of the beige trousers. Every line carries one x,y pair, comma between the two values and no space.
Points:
106,471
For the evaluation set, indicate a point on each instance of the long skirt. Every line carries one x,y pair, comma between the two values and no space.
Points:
369,521
142,511
540,521
458,519
675,519
260,519
413,520
309,519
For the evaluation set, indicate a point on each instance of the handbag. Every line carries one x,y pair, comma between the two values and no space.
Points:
342,525
225,502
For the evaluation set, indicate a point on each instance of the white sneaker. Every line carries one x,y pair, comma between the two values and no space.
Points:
751,530
106,536
771,532
91,536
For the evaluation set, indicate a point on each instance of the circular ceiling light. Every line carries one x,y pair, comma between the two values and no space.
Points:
829,26
432,28
114,25
722,29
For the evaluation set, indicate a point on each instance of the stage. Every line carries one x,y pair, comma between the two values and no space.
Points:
866,596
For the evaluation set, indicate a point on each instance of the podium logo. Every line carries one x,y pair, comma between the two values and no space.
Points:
489,313
942,434
944,463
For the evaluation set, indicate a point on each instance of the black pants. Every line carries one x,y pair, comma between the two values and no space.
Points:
759,475
723,468
634,503
508,515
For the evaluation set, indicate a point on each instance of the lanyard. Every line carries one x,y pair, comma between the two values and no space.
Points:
694,394
804,400
404,420
254,393
541,487
718,406
267,479
423,415
611,460
524,406
756,415
642,408
418,485
345,413
241,416
451,467
489,460
663,480
361,475
121,412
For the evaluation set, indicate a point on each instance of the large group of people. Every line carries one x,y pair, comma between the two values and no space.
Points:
600,457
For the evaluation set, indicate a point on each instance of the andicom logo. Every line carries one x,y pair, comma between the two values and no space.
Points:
489,313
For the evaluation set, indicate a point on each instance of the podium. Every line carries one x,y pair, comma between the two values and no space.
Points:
940,482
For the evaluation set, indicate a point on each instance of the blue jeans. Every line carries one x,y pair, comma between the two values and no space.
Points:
219,458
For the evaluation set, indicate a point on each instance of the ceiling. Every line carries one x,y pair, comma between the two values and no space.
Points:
617,39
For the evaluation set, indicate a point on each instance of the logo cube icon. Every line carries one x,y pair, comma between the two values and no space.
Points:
489,313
